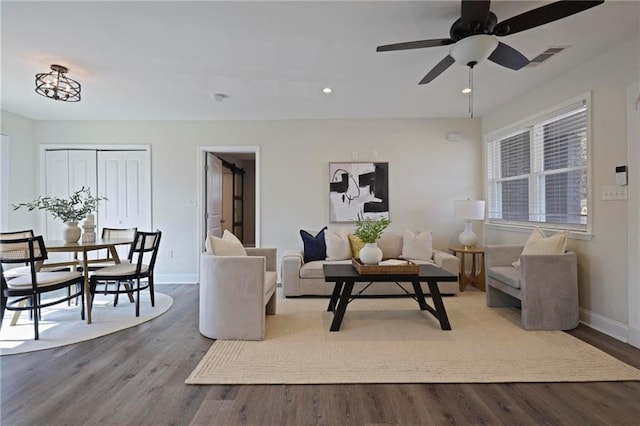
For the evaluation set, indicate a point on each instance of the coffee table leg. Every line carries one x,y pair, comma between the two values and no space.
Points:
334,296
342,306
439,305
417,288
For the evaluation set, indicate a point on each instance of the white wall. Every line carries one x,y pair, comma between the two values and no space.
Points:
23,164
426,172
603,260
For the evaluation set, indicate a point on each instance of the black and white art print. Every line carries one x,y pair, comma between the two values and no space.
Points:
358,191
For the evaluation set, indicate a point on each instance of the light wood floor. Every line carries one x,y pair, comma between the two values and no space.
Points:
136,377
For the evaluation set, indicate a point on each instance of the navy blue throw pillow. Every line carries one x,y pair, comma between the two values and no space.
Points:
314,247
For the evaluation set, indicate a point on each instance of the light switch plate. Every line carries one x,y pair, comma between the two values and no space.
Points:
613,193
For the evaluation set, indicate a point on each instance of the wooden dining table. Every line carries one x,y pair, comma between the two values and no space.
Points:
84,247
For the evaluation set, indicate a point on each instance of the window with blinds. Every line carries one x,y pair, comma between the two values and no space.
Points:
539,172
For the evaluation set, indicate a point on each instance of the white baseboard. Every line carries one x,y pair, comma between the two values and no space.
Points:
176,279
605,325
634,336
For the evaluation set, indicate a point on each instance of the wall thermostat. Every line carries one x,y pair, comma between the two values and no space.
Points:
621,175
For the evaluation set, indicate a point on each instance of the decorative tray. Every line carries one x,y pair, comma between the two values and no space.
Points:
409,268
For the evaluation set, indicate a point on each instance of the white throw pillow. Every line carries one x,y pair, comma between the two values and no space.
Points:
228,245
338,247
417,245
539,244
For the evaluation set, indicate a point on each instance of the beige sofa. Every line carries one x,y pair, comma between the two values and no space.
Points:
307,279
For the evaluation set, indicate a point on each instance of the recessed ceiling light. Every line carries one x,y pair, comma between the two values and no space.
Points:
218,97
466,90
327,90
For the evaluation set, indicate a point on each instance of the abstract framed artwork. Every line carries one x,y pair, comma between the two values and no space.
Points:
358,191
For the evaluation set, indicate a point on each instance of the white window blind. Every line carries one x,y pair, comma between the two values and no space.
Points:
539,172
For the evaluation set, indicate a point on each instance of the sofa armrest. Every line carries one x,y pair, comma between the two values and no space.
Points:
269,253
447,261
292,261
501,255
549,284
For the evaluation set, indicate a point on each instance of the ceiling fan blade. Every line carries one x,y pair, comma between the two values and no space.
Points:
508,57
415,44
474,12
438,69
543,15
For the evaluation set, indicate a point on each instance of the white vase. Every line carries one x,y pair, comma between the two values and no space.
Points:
370,254
72,232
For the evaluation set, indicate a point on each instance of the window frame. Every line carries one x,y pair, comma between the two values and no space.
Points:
555,112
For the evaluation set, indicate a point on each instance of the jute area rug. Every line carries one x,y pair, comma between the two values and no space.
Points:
61,324
391,341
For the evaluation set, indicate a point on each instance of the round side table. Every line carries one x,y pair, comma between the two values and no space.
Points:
476,276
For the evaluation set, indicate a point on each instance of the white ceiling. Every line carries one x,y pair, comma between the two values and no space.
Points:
159,60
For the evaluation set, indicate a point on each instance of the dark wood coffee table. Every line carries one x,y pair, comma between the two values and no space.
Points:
345,276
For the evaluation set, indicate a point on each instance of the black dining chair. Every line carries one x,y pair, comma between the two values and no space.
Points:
134,272
105,259
14,271
30,286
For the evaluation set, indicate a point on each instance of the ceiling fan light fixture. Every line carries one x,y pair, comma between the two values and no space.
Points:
473,49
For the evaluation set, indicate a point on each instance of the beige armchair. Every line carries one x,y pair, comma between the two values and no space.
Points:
236,292
545,286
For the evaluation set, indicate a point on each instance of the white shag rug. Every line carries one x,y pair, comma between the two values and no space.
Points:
61,324
392,341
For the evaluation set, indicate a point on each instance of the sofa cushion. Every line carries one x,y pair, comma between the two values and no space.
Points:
390,244
537,243
270,278
505,274
338,247
417,245
314,269
228,245
314,246
356,245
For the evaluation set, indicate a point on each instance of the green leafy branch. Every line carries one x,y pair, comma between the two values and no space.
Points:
72,209
369,230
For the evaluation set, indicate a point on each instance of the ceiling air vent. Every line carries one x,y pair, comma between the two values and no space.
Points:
551,51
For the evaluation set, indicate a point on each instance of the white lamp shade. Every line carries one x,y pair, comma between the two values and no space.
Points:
469,209
474,48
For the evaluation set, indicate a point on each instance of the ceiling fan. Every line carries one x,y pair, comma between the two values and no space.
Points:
473,35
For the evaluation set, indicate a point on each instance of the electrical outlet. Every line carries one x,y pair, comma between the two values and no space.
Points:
169,253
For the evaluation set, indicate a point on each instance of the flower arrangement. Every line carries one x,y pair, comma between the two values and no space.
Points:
72,209
369,230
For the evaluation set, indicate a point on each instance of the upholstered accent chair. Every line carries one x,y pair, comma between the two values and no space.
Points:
236,293
544,286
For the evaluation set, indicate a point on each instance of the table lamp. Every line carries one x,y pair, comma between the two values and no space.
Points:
468,210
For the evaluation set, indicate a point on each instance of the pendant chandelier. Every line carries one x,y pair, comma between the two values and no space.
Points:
55,85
